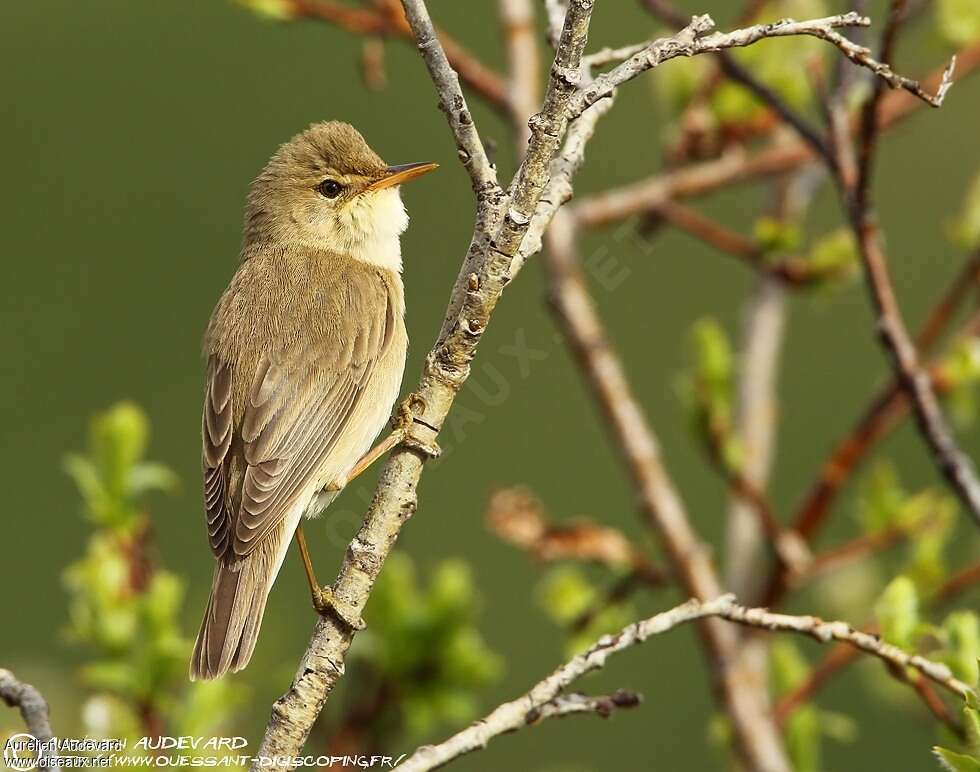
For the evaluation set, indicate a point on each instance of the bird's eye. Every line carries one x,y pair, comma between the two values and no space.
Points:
330,188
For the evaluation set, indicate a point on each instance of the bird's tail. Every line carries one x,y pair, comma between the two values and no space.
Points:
235,609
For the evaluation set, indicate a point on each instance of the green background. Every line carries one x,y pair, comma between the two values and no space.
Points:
129,133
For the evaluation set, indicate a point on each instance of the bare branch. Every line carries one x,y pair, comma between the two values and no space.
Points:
514,715
737,166
517,17
31,704
451,101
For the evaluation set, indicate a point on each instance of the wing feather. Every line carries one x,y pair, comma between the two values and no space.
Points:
297,400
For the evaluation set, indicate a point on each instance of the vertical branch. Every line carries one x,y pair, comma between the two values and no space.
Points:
517,17
762,337
854,180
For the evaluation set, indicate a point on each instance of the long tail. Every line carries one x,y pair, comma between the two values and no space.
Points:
234,613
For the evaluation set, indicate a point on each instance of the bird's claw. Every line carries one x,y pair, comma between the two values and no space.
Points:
326,603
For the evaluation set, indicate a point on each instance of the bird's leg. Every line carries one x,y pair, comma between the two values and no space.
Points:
400,422
366,460
323,599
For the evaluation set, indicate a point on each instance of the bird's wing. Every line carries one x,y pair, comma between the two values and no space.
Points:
300,400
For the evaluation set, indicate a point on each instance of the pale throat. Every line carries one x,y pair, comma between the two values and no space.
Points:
369,229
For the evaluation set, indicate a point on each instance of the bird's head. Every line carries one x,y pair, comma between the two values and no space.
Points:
328,189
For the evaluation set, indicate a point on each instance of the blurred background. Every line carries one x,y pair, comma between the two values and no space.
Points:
130,132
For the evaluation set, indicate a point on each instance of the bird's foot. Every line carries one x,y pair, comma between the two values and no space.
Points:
403,421
326,603
405,412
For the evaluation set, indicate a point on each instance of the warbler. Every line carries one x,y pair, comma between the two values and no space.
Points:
305,354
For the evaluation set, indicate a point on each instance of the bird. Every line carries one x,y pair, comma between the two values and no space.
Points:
305,352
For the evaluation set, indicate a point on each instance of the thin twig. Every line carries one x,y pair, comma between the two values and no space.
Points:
792,271
514,715
737,166
388,20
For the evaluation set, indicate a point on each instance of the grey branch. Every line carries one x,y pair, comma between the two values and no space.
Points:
451,100
542,698
31,704
698,38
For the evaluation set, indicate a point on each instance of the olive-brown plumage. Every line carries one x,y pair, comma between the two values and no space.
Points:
305,352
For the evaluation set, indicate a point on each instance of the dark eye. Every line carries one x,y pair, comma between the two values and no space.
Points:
330,188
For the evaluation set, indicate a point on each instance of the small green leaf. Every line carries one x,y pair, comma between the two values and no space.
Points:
777,236
956,762
834,254
961,634
880,498
565,593
277,10
897,611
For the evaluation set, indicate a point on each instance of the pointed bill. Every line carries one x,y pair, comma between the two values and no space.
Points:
396,175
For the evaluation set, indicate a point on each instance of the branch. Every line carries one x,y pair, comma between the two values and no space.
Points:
452,102
532,706
738,166
517,17
854,181
841,655
388,19
762,336
794,272
516,516
32,706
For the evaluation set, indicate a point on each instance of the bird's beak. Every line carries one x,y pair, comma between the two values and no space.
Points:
396,175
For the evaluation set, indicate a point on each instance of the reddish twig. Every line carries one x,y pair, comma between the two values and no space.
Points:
387,19
792,271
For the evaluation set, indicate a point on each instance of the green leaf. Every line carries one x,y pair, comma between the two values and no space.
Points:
835,253
956,762
708,392
277,10
961,634
960,370
959,20
565,593
897,611
676,82
150,476
777,236
880,499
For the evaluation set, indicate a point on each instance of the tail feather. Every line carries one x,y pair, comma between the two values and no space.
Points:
234,612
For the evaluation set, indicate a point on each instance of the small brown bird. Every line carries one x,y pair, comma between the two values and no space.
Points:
305,353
